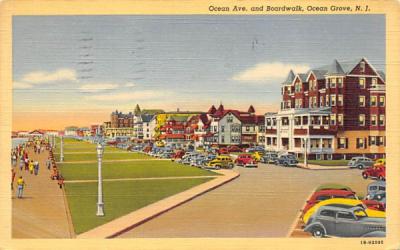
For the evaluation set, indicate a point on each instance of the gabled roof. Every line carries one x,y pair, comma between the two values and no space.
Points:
335,69
289,79
146,117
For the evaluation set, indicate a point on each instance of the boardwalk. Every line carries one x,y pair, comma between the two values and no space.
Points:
42,212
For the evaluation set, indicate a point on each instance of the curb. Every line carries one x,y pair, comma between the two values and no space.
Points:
316,167
127,222
298,218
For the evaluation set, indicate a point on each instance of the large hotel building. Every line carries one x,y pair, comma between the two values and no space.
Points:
331,112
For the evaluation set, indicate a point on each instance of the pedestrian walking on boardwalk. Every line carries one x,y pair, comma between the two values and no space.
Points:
60,181
26,163
12,178
36,167
31,167
48,163
21,186
21,165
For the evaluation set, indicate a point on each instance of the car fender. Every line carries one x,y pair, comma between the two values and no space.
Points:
375,234
317,223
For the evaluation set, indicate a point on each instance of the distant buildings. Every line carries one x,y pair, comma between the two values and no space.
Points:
337,110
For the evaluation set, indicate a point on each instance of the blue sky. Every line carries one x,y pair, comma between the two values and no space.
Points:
85,63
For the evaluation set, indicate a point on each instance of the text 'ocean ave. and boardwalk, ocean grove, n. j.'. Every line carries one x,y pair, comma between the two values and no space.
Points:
290,8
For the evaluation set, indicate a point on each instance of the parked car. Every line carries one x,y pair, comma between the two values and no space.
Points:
223,151
375,187
147,149
234,149
328,194
167,155
160,144
379,197
342,202
257,155
379,162
378,172
221,161
269,158
246,160
287,161
345,221
179,154
360,162
376,205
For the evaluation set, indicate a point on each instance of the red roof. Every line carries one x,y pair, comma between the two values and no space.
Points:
175,136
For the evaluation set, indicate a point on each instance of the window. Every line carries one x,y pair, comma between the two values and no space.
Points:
381,120
322,198
345,216
361,120
332,83
333,100
268,122
222,128
333,119
321,101
314,101
361,83
247,128
380,140
374,81
340,119
340,100
372,140
382,101
342,142
273,121
222,139
361,101
340,82
362,67
373,120
327,100
360,143
372,101
229,118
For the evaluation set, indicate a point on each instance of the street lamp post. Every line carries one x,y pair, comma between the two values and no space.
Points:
305,152
100,204
62,149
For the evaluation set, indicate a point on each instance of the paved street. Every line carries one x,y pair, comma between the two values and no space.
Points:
42,211
262,202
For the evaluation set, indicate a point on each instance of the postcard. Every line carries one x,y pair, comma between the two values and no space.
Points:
203,125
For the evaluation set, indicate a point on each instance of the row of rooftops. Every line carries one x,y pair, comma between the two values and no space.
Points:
336,68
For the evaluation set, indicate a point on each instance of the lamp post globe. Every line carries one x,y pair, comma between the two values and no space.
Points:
100,204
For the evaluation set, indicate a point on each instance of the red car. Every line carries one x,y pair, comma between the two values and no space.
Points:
234,148
179,154
378,172
223,151
246,160
376,205
328,194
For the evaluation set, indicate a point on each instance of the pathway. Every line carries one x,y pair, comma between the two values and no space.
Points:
42,213
145,179
263,202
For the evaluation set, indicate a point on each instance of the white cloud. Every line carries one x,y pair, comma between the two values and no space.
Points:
42,77
269,71
132,96
97,87
130,84
22,85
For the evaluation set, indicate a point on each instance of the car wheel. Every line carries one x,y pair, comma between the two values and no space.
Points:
318,232
360,166
286,164
230,166
365,176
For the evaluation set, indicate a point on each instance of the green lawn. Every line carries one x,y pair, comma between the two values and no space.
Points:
93,156
325,162
329,162
120,198
134,169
